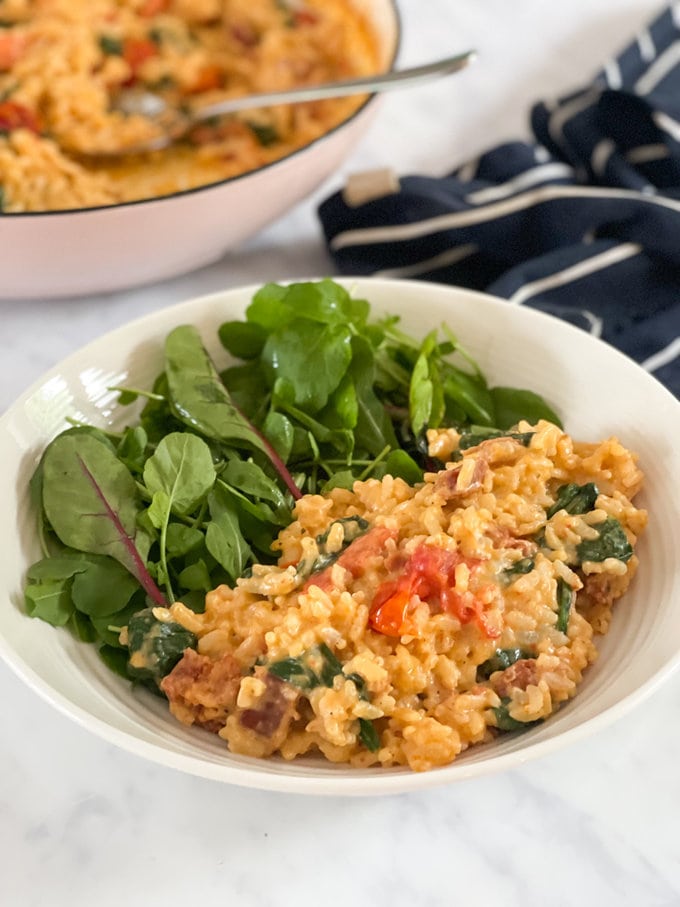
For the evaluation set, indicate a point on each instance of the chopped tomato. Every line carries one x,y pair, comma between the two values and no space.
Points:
12,47
354,558
209,77
391,604
428,575
305,17
17,116
153,8
136,51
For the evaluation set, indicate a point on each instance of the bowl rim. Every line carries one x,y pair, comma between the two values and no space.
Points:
395,51
387,781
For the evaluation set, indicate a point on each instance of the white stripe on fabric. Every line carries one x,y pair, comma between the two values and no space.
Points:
596,323
646,46
541,174
675,11
468,171
448,257
403,232
658,71
644,153
667,124
612,74
576,272
541,154
600,156
565,112
662,357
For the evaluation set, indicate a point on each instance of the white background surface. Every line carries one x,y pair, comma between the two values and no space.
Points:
596,824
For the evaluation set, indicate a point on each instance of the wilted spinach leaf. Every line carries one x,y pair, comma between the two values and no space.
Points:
574,499
611,542
155,646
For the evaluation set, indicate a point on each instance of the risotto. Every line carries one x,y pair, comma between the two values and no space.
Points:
404,624
63,62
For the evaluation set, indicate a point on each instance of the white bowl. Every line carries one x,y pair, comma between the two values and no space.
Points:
99,250
598,392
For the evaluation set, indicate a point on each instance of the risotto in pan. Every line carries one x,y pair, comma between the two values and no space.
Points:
404,624
63,62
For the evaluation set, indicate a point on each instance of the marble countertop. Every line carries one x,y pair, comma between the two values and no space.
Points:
595,824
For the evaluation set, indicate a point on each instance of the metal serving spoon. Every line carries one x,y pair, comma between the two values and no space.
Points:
174,122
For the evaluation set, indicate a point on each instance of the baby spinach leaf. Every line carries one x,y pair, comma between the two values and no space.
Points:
574,499
104,588
512,405
57,568
91,501
82,628
182,468
223,537
180,540
50,600
196,577
115,660
611,542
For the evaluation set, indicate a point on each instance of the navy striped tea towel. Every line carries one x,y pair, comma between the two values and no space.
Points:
584,223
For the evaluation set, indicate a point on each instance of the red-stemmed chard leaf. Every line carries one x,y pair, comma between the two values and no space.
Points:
91,502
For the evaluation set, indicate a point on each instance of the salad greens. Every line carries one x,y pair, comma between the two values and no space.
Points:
205,476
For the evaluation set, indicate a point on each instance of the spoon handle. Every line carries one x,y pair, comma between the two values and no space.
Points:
400,78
